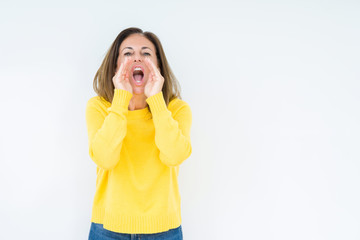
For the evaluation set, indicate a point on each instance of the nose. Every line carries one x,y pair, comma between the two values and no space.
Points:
137,58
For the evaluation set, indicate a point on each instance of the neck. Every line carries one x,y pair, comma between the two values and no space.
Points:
137,102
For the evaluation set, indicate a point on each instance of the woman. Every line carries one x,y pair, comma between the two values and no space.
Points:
139,134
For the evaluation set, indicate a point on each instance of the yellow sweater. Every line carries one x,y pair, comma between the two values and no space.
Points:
137,154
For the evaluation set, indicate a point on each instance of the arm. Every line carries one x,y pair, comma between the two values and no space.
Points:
172,134
106,134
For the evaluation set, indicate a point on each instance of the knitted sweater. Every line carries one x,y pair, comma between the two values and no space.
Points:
137,155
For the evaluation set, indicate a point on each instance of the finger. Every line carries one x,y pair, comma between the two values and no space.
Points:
125,65
151,78
152,67
149,66
127,76
120,70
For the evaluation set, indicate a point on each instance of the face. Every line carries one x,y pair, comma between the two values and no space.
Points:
137,47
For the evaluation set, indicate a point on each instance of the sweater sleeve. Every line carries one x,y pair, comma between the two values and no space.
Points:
106,133
172,133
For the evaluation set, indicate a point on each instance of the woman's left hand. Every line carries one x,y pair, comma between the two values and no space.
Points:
155,81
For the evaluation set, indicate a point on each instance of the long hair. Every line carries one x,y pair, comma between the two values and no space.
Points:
103,84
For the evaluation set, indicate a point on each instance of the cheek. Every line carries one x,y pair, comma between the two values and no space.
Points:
119,62
117,65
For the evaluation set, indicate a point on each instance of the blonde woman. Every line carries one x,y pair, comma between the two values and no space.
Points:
139,134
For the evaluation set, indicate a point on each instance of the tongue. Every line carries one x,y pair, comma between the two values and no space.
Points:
138,77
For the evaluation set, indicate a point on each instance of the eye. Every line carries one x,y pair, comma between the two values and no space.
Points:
148,54
127,54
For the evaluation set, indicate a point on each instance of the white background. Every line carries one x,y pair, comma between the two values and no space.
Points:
274,90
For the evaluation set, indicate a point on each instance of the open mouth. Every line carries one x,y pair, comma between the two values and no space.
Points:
138,75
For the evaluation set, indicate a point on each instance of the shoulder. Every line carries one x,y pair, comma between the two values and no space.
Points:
98,103
177,105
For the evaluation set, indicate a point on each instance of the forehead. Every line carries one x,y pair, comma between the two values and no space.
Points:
136,41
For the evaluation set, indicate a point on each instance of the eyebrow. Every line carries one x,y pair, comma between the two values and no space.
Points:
133,49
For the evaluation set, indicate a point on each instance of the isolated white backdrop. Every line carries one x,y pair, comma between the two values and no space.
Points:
274,90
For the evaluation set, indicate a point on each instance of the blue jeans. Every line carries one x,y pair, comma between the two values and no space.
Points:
97,232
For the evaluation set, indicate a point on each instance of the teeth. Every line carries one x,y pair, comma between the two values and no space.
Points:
138,70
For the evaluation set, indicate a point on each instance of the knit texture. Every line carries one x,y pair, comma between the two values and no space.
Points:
137,156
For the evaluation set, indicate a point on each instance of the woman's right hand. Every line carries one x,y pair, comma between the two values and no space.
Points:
121,78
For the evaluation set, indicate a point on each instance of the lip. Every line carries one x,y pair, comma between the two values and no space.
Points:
132,74
135,66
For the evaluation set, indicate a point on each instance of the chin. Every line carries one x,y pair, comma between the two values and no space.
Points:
138,90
